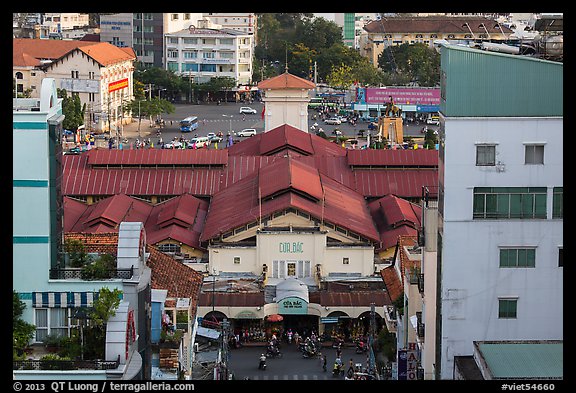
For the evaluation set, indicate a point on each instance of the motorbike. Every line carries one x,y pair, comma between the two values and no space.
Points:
336,370
262,365
273,352
361,347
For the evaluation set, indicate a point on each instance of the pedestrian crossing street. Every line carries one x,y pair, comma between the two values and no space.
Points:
289,377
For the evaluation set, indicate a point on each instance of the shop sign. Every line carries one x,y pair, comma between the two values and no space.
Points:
292,305
183,303
247,314
411,362
294,247
402,357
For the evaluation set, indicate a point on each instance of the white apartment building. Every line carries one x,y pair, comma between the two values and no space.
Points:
202,53
58,22
245,22
500,235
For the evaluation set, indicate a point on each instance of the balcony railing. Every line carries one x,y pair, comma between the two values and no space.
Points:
419,325
77,274
59,365
421,283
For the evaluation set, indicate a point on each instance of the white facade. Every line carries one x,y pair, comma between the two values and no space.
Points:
202,54
57,22
242,22
286,106
471,279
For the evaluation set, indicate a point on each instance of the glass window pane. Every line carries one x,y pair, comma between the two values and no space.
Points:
527,206
490,205
512,305
540,205
539,154
504,258
479,203
529,158
41,318
515,205
521,258
531,258
502,308
503,201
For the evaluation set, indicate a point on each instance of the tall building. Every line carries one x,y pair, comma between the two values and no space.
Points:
52,291
205,53
500,205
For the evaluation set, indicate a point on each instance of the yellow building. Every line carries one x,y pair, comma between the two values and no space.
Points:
393,31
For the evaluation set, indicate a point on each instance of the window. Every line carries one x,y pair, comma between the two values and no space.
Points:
174,16
345,261
236,260
507,308
169,247
558,202
534,154
74,74
485,155
561,257
173,40
509,202
51,321
291,269
517,257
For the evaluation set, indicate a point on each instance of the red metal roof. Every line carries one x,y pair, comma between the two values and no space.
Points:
388,157
286,138
403,183
232,299
287,174
238,204
153,157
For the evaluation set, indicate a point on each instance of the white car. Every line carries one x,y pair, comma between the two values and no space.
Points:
248,110
173,145
247,132
333,120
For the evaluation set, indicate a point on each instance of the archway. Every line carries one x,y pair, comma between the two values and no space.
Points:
213,319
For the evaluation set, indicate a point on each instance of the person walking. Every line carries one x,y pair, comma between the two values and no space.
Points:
324,360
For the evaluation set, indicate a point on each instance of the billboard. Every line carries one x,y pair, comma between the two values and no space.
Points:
119,84
403,95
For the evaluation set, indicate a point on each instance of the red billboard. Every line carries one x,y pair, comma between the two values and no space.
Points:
120,84
403,95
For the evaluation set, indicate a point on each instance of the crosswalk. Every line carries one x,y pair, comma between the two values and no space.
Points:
290,377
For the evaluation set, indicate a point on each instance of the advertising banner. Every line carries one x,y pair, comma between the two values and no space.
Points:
117,85
403,95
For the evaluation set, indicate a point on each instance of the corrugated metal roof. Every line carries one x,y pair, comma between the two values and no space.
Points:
402,183
530,359
354,299
388,157
232,299
151,157
482,83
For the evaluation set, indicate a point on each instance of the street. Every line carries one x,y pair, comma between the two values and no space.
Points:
227,119
243,362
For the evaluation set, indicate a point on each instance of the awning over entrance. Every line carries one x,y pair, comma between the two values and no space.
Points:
292,287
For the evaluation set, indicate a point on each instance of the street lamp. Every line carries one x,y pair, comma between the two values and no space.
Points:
230,116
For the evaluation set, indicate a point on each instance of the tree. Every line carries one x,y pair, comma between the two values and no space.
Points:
22,331
72,109
418,63
104,307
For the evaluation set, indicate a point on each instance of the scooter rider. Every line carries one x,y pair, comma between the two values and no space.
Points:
262,365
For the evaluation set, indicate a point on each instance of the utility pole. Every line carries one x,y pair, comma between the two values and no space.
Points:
372,361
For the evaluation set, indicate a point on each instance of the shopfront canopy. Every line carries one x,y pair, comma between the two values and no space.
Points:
292,287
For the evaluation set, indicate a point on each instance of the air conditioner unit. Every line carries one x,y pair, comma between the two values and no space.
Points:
196,349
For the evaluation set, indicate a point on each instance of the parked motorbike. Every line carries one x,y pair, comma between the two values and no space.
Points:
361,347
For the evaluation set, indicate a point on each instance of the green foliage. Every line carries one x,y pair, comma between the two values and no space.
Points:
55,362
102,268
171,336
104,307
416,63
430,139
76,252
22,331
72,109
386,343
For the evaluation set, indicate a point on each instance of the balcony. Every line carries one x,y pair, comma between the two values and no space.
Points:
61,365
390,318
421,283
71,273
419,325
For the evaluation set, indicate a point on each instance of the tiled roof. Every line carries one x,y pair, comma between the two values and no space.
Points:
286,81
434,24
180,280
405,262
102,52
392,282
105,243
